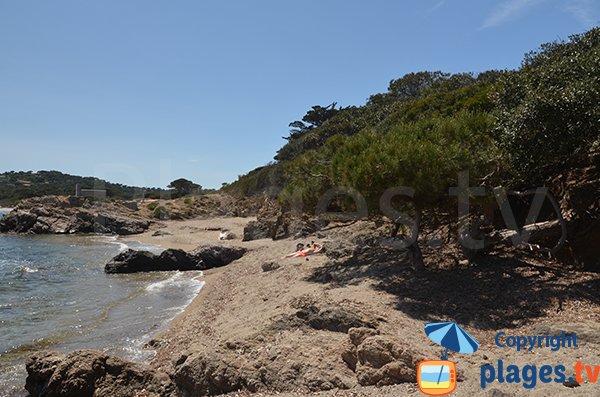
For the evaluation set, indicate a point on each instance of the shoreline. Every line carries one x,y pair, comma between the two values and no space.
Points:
249,323
246,316
134,345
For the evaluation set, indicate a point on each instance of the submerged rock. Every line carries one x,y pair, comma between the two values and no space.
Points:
90,373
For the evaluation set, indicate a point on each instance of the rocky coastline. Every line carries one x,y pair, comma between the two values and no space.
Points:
348,320
70,214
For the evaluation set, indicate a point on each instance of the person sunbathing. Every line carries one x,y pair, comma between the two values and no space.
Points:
312,248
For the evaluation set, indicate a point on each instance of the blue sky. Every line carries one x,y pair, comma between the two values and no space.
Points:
144,92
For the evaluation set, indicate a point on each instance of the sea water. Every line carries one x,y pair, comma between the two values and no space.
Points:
54,295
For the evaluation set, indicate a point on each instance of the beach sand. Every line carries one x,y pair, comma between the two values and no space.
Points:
242,305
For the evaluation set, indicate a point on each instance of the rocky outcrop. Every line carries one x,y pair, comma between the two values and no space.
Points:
209,256
279,227
256,230
201,375
379,359
90,373
275,223
331,318
367,358
202,258
60,215
132,261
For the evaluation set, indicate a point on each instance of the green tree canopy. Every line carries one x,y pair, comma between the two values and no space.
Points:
183,186
548,112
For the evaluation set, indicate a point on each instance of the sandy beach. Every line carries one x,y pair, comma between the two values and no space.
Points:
246,319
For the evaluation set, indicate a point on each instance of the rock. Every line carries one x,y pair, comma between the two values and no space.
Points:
358,335
202,258
299,227
216,373
331,318
277,225
226,235
161,233
89,373
132,261
382,361
18,221
349,356
104,223
40,368
498,393
571,384
132,205
59,215
216,255
270,266
256,230
200,375
389,374
376,352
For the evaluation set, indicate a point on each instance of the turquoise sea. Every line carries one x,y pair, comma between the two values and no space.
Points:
55,295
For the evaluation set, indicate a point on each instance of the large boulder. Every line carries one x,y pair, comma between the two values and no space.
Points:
279,226
132,261
216,255
201,375
90,373
379,359
202,258
256,230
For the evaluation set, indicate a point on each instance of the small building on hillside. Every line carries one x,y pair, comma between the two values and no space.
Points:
79,192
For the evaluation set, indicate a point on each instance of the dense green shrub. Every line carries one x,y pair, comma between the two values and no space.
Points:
426,155
160,212
260,180
549,111
429,126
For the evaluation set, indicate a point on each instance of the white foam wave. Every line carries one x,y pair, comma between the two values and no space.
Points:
113,240
176,280
27,269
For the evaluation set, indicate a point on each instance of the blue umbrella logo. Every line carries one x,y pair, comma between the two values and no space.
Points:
451,336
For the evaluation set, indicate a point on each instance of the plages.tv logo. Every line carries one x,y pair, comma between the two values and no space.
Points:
438,377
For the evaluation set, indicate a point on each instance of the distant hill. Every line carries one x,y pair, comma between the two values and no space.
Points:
15,186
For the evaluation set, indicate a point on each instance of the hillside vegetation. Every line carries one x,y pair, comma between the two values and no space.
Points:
513,128
15,186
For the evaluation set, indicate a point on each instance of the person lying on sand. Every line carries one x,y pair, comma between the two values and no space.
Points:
312,248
